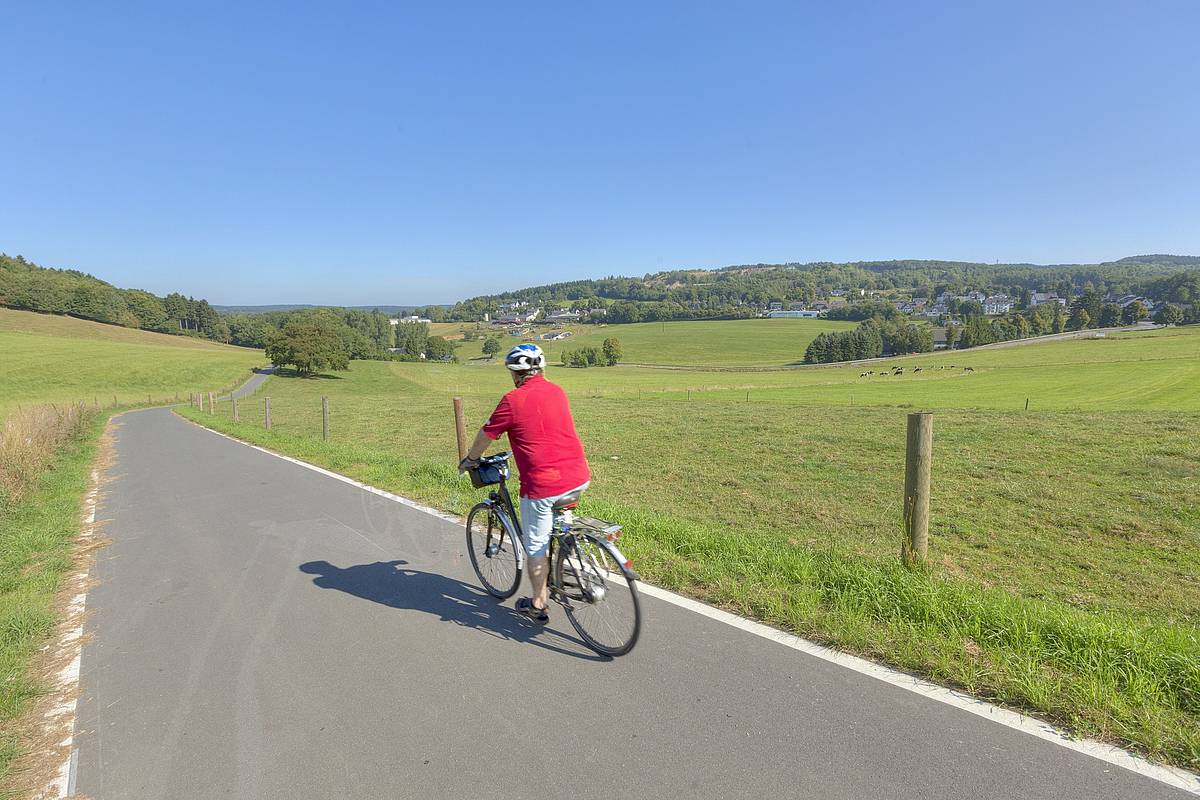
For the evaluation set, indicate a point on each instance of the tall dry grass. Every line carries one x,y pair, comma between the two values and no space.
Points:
29,440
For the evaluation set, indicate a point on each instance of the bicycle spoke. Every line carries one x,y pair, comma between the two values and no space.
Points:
492,552
605,612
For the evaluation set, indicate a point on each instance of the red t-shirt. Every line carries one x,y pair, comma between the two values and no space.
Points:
537,419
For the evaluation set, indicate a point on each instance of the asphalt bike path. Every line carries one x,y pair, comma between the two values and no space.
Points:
260,630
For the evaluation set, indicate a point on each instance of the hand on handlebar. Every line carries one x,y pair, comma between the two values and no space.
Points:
466,464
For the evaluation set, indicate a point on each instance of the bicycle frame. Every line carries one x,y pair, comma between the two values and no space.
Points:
501,499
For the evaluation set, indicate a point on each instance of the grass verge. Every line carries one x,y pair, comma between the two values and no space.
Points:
1099,674
37,531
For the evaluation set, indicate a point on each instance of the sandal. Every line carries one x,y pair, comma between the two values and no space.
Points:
525,606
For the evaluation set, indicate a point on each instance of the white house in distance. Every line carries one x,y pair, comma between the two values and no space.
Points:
998,304
413,318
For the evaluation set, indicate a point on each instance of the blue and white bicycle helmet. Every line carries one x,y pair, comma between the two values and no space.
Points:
525,357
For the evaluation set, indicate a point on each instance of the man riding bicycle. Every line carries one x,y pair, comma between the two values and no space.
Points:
537,418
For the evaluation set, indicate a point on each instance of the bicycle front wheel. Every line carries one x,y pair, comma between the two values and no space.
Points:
601,603
493,552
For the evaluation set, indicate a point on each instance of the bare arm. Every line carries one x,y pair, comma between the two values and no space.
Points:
479,447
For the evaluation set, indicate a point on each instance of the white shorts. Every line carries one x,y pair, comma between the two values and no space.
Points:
537,521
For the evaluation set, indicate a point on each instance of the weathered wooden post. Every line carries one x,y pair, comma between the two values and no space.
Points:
918,461
267,414
212,403
325,418
114,401
1026,403
236,418
460,428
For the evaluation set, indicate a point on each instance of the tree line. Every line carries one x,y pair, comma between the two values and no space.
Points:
873,338
607,355
29,287
879,336
313,340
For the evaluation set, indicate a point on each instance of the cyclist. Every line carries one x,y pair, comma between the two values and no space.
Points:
549,456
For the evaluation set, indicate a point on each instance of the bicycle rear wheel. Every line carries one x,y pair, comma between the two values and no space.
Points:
493,552
600,602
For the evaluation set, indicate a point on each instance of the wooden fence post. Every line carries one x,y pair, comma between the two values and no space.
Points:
212,404
236,418
918,463
267,414
460,428
325,418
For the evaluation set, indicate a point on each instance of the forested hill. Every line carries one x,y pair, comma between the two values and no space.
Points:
733,290
27,286
268,309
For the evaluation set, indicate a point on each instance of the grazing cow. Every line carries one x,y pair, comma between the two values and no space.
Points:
968,369
898,371
918,369
862,375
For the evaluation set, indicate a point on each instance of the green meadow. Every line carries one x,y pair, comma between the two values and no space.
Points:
717,343
51,359
1064,573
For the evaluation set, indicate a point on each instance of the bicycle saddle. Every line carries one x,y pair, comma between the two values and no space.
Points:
568,500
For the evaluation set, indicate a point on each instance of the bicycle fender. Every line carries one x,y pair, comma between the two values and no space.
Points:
515,535
626,570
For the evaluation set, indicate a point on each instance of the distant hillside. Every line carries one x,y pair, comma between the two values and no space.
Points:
28,287
740,290
393,310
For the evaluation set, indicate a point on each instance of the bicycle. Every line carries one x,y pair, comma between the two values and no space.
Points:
589,577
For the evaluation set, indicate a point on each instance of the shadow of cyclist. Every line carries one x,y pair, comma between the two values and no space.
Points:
387,583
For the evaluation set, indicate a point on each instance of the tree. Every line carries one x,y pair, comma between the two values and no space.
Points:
176,306
1079,320
1090,302
612,351
147,310
977,331
310,343
951,336
491,346
1060,319
1169,314
411,339
438,349
1133,312
1110,315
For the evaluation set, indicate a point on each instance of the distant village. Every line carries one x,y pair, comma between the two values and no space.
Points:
523,319
941,307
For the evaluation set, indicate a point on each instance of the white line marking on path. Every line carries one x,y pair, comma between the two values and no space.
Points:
1172,776
62,716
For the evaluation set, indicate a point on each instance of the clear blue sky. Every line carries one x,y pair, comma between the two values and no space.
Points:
364,153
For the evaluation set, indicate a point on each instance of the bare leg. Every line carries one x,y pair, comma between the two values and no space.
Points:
539,569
